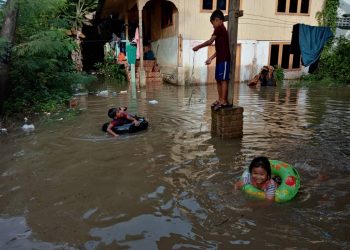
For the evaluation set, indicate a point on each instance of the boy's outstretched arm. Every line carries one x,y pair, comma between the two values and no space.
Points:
110,131
205,44
135,121
208,61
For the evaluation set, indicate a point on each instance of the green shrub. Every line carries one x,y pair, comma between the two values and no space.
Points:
111,70
279,73
334,64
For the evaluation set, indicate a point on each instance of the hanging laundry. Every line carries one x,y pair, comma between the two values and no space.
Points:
311,41
137,40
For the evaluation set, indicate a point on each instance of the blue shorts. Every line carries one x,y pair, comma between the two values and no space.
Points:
222,71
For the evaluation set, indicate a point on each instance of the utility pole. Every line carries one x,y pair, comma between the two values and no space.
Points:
227,123
234,14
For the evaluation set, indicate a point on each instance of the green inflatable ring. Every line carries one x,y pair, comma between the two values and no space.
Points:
289,186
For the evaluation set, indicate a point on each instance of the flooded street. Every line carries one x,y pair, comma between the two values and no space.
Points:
68,185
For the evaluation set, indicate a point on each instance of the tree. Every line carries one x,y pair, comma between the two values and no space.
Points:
7,36
328,15
80,13
42,71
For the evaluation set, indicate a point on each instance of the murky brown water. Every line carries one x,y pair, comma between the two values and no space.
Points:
67,185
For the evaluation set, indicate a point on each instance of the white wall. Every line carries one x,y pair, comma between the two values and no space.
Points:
197,59
167,51
167,56
254,55
167,59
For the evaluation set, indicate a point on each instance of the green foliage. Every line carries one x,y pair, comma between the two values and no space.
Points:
328,15
42,72
111,70
49,44
1,13
77,10
3,48
39,15
334,64
279,73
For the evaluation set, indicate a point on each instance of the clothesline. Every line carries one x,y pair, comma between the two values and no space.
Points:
272,18
267,25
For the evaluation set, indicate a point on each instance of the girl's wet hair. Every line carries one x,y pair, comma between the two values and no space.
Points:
262,162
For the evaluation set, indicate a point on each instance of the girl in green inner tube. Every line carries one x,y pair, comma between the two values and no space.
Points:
259,175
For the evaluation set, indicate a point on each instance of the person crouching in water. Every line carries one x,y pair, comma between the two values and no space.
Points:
259,175
120,117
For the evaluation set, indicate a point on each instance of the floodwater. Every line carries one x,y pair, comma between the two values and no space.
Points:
68,185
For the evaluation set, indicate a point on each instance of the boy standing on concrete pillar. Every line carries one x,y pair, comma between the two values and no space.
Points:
223,58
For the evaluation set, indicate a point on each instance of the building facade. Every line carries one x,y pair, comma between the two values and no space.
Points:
173,27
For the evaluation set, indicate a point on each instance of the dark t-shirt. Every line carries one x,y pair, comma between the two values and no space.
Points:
222,44
121,120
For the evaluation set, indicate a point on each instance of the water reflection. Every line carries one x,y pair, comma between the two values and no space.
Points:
171,187
15,234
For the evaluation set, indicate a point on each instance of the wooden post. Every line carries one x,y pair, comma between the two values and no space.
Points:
234,14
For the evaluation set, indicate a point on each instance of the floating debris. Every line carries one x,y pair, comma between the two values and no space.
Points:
27,127
153,102
103,93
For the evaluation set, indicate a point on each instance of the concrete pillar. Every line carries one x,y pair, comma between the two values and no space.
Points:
126,21
180,22
180,69
142,70
227,123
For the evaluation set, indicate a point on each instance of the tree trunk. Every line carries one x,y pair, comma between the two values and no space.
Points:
77,55
8,34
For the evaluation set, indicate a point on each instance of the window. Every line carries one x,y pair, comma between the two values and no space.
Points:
280,55
281,6
167,14
207,4
274,52
304,8
210,5
293,6
221,5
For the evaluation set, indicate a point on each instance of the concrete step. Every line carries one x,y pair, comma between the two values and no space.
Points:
148,79
148,74
147,69
146,63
